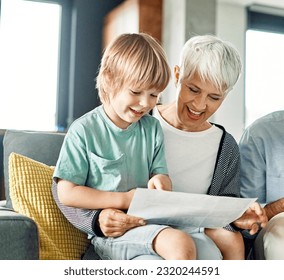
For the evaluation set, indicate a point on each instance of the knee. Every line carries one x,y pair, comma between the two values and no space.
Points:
275,226
234,241
224,236
185,247
274,231
273,238
172,244
231,244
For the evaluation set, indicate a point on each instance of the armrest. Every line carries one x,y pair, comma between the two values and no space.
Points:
19,238
2,203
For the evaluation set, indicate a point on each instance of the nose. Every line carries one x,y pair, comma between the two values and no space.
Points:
200,102
144,100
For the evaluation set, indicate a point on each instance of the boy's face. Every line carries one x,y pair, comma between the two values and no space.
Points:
129,105
197,101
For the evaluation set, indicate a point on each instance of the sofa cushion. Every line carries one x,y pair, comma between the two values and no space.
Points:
40,146
30,192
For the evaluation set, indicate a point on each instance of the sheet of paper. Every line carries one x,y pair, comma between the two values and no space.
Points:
186,209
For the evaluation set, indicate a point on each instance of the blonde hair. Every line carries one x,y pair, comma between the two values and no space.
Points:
133,59
212,59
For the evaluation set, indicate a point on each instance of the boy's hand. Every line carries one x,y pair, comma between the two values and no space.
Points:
114,222
160,182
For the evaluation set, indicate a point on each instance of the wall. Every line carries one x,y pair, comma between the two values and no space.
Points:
185,18
181,20
225,18
173,38
231,26
134,16
85,54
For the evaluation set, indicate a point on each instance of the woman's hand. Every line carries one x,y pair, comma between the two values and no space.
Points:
254,217
160,182
114,222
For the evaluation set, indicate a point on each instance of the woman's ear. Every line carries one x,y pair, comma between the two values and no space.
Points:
176,74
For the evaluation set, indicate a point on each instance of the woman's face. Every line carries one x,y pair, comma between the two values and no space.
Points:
196,101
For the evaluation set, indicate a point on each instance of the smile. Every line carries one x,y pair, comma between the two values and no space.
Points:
195,112
194,115
138,113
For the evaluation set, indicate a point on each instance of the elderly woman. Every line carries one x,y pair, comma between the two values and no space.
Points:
202,157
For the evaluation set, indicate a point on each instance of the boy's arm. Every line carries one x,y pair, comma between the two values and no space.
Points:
83,219
106,222
73,195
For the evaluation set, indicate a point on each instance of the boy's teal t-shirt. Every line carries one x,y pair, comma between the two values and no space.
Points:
98,154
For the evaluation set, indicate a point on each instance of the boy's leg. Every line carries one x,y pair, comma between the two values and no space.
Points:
134,244
147,257
174,244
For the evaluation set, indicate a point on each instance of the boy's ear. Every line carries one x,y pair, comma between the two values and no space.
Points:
176,74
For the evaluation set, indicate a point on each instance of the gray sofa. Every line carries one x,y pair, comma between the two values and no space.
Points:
19,235
19,238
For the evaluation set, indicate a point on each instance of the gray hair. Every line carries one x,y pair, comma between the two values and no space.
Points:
212,59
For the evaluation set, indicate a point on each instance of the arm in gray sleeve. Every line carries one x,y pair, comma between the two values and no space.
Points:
253,168
226,178
83,219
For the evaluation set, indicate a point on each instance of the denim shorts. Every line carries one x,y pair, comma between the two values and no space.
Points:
137,244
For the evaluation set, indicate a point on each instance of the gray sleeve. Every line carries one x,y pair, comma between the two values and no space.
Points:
226,178
83,219
253,168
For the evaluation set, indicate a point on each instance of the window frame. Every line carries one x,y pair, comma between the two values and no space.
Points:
264,19
64,65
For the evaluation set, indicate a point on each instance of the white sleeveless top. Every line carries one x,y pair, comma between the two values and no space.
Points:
191,156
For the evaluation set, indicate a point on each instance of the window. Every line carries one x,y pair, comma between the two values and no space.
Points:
264,62
29,55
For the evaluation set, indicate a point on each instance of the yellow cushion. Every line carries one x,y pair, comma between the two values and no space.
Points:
30,190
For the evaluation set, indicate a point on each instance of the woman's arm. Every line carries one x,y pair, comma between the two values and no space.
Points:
226,177
106,222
